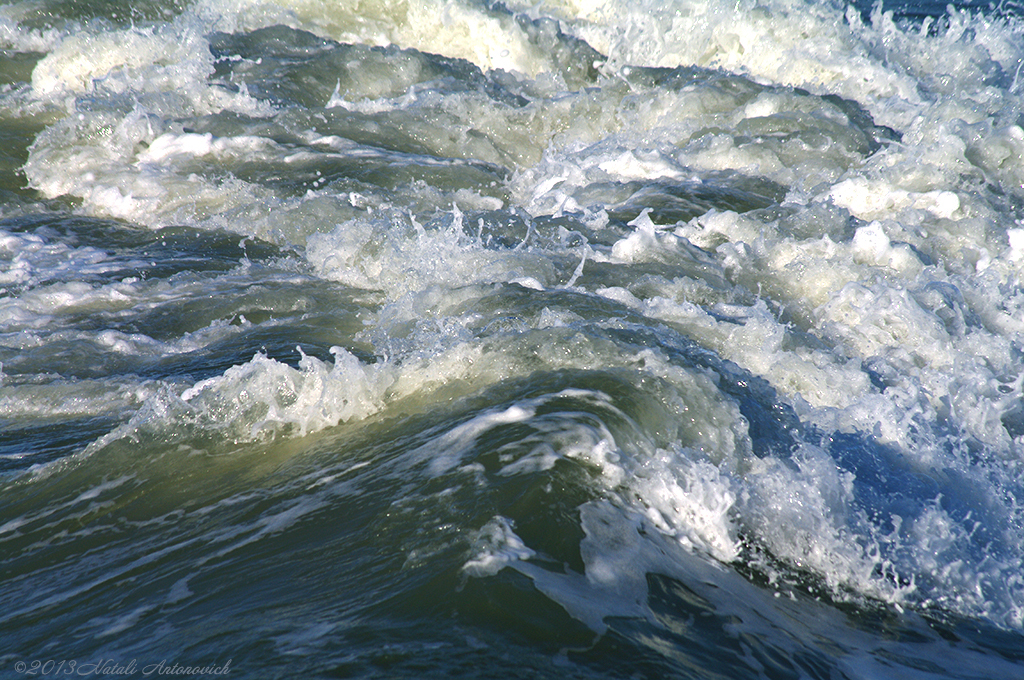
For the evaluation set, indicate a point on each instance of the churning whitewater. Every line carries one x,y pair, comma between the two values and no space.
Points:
462,338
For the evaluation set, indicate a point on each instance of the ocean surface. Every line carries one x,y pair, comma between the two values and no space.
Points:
559,339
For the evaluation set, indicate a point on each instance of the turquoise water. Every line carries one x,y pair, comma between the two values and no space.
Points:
412,339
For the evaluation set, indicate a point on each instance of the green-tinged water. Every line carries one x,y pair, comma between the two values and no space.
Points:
419,339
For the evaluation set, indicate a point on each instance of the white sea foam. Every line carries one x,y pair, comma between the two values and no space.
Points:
462,30
496,547
263,395
881,298
397,255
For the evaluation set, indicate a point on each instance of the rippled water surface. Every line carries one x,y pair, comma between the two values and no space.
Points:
423,338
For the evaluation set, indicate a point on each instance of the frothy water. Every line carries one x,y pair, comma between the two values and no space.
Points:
470,339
